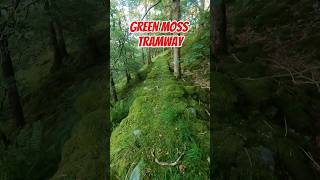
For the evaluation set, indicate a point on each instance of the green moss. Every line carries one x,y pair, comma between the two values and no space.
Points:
190,90
158,120
174,90
119,111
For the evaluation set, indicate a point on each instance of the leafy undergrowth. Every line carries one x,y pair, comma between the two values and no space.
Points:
195,55
162,118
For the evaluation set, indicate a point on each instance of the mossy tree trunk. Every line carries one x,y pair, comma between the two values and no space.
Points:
176,50
10,83
126,66
148,49
219,27
113,89
128,76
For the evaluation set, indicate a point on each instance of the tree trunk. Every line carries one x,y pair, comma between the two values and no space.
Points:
10,82
142,54
176,50
57,56
202,4
149,56
128,76
219,27
113,89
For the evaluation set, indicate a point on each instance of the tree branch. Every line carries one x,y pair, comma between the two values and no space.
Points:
150,9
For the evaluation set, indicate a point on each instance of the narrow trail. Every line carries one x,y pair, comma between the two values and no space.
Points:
163,136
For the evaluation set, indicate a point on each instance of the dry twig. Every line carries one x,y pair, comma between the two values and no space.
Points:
166,163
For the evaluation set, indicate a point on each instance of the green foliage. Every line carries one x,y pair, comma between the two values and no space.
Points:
169,115
119,111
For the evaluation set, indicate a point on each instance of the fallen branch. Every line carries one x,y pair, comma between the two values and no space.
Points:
246,150
166,163
207,112
236,58
286,126
311,158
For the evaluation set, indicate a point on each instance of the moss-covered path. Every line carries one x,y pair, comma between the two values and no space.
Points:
163,119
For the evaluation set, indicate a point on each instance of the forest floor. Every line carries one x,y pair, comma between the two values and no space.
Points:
166,132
